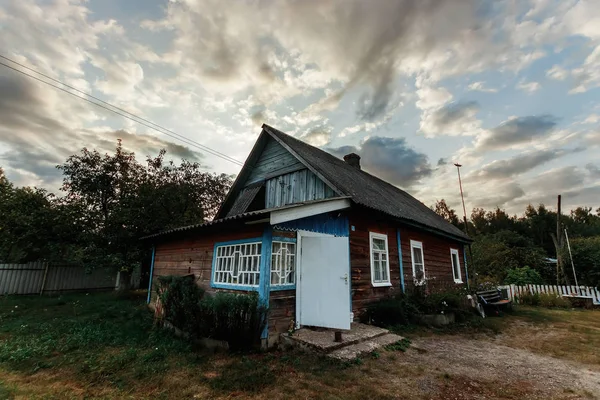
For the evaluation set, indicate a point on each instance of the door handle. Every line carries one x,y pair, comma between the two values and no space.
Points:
345,278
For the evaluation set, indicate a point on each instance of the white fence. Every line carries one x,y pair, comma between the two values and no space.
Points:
585,291
40,278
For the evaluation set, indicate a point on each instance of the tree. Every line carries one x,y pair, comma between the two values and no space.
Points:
586,257
442,209
122,200
523,276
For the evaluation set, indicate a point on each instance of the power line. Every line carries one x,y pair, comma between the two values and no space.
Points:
122,112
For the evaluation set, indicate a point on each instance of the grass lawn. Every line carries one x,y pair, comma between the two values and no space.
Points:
105,346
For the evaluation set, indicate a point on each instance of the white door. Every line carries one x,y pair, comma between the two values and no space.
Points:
324,282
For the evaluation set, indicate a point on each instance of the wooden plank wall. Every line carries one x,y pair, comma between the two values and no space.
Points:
436,252
296,187
194,254
274,160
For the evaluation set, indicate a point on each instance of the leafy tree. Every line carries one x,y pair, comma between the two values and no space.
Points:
523,276
442,209
586,257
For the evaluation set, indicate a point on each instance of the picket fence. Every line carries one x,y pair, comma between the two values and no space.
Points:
45,278
514,291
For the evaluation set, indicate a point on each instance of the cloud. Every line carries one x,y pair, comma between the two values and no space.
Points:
591,119
458,118
391,159
318,136
529,87
557,72
516,131
594,170
502,169
480,87
40,133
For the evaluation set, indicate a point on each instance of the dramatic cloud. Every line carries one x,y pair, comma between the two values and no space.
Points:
319,136
390,159
519,164
516,131
451,119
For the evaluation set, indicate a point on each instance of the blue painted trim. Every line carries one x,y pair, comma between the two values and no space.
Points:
466,269
241,241
265,272
284,239
151,273
349,271
400,259
276,288
230,286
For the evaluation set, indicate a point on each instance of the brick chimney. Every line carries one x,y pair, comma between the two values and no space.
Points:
353,159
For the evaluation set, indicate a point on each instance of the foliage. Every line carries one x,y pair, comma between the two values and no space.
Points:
549,300
400,310
110,201
180,298
238,319
401,345
522,276
529,299
443,210
586,257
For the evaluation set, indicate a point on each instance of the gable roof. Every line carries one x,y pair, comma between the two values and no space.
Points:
363,188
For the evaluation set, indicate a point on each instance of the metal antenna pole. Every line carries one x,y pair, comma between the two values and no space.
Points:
466,226
572,263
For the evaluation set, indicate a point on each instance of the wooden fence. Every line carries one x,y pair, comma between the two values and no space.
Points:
40,278
514,292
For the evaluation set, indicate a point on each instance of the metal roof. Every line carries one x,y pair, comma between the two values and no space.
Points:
365,189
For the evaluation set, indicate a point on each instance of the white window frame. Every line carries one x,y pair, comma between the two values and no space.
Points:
452,252
417,245
223,260
374,235
276,269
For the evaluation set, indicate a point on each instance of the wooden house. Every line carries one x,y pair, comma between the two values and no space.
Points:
317,237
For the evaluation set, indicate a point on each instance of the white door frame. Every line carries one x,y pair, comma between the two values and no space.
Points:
300,234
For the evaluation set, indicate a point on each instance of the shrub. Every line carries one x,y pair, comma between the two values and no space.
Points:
238,319
393,311
530,299
553,301
180,297
523,276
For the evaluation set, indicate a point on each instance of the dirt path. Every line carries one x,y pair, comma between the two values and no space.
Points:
486,361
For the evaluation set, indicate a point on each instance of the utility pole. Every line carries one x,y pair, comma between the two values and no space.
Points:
457,165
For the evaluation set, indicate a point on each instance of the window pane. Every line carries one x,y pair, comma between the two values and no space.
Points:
417,255
283,263
378,244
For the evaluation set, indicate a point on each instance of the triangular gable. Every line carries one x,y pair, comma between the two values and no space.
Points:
269,158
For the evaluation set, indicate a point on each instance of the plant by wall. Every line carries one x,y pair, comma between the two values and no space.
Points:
238,319
180,298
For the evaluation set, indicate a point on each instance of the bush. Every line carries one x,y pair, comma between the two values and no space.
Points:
523,276
530,299
553,301
180,298
238,319
389,312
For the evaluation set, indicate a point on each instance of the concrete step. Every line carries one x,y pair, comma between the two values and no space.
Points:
351,351
323,340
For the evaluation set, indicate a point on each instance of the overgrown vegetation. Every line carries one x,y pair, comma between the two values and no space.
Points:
523,276
544,300
504,242
109,202
238,319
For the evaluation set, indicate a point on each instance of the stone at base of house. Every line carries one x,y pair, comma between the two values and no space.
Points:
438,320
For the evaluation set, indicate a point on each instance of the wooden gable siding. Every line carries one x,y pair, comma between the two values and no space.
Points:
274,160
296,187
436,253
194,254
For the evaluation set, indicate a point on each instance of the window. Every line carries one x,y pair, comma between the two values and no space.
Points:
283,263
418,265
238,264
455,266
380,266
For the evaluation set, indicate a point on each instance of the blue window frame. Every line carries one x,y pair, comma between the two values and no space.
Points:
237,264
283,264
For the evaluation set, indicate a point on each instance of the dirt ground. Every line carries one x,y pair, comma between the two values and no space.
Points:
479,362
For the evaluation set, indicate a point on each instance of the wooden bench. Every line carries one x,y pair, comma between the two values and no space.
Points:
492,299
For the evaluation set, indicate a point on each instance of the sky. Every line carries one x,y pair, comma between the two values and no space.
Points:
509,89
